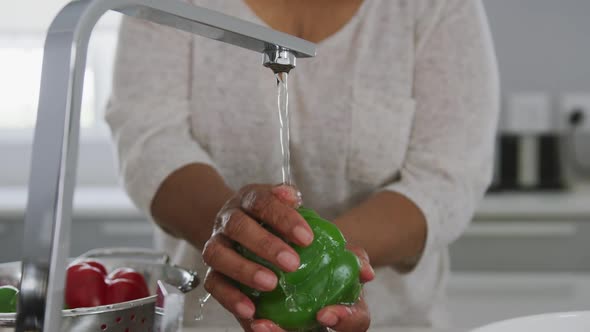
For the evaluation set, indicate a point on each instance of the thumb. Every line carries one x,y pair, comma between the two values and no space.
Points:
343,318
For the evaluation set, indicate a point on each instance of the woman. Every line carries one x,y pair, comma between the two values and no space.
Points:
392,138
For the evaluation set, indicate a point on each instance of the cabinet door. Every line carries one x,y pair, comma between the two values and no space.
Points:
548,245
476,299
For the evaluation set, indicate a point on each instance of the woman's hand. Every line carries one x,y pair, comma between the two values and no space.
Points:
239,221
341,318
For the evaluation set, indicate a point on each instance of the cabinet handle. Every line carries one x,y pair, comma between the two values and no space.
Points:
126,229
522,229
514,284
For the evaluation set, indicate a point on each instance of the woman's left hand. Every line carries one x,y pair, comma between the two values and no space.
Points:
341,318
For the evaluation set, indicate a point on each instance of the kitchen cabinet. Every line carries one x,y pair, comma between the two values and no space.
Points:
478,298
523,254
528,232
542,245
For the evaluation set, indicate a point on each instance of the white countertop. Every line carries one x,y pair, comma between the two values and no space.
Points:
112,201
88,202
573,204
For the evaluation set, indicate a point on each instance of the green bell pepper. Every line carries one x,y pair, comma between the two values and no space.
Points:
328,275
8,299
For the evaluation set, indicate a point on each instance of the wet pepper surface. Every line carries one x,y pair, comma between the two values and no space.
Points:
328,275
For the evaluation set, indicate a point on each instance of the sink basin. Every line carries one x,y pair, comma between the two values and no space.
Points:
551,322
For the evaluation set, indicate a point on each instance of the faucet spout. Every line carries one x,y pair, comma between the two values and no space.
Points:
279,60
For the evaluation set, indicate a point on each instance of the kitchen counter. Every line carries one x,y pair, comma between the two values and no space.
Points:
89,202
112,201
536,205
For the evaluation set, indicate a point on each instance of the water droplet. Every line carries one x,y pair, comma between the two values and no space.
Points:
202,301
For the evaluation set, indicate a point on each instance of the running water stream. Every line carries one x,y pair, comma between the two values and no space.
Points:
283,103
284,126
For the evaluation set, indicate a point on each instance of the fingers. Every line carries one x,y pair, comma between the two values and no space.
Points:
367,273
260,203
228,296
263,325
246,231
239,221
343,318
260,325
221,257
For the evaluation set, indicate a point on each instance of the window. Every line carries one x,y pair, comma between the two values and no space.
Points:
20,80
22,37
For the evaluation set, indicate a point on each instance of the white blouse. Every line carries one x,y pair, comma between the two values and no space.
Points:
403,98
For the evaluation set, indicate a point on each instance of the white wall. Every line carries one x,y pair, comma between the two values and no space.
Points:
542,44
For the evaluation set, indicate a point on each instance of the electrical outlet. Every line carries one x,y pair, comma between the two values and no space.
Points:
575,111
528,113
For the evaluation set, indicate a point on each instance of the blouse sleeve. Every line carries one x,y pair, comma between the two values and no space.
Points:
149,111
449,160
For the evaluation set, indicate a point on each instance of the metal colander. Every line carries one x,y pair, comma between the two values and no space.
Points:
132,316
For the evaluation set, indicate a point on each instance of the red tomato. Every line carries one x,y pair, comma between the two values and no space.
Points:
85,286
121,290
132,275
98,266
88,285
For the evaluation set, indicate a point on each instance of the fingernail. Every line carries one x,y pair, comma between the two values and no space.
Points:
265,279
303,235
288,260
259,327
288,194
328,318
372,271
244,310
284,192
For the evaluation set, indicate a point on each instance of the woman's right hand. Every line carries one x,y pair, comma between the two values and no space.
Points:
239,221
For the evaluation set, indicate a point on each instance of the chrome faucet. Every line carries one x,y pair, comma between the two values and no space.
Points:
55,145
